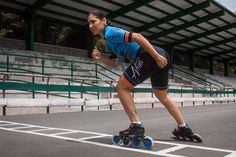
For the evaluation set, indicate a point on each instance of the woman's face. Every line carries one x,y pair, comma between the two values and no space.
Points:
96,25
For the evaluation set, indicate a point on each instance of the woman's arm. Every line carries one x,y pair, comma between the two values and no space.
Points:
145,44
109,62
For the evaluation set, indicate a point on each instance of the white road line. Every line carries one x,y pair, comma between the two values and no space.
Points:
168,150
164,152
63,133
90,142
131,149
197,147
172,155
37,126
38,130
6,125
21,127
231,155
91,137
121,148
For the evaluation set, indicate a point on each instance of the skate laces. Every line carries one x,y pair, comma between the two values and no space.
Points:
182,129
177,129
185,130
132,126
135,125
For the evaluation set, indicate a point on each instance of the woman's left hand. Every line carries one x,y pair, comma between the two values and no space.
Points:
161,61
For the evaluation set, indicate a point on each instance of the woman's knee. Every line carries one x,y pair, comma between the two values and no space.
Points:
121,85
162,95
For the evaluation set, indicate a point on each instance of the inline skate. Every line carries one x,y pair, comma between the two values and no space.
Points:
185,133
134,136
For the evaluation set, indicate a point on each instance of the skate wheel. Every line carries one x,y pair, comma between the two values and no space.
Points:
190,138
136,142
197,137
148,142
174,134
126,142
183,138
116,140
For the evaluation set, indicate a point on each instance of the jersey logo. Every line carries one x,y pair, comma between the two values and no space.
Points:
136,68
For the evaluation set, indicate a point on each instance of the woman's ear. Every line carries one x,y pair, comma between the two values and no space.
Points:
104,20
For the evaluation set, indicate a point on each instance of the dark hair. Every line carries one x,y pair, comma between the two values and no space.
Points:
98,14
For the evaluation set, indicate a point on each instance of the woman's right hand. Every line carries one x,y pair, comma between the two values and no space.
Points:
96,54
161,61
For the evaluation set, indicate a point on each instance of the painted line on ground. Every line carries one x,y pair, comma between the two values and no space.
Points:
7,125
63,133
197,147
163,152
22,127
168,150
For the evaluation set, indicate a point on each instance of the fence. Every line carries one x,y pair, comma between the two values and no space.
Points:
209,93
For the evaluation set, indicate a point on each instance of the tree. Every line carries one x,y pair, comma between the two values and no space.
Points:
12,26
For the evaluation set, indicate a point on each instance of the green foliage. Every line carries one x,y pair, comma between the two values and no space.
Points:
10,23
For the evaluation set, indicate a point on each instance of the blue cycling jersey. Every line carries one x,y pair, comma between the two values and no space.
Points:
118,42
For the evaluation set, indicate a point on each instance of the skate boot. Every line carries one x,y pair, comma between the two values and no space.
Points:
134,136
185,133
134,130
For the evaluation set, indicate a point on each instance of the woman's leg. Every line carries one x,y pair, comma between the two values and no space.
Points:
126,99
138,71
170,105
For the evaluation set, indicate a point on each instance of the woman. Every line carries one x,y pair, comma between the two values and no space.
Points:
148,61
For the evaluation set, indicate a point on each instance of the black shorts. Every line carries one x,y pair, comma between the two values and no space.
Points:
144,66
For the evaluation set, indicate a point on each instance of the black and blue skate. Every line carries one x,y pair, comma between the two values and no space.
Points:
186,134
134,136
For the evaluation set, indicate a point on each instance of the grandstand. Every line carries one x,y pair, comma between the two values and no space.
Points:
38,79
197,28
31,67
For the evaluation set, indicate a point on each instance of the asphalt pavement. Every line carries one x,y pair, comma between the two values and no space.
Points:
89,133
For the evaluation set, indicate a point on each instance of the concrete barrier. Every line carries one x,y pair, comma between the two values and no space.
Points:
85,103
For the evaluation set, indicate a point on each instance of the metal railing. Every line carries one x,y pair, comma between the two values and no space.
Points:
85,85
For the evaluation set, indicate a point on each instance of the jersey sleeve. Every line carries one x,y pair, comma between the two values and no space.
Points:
128,37
119,35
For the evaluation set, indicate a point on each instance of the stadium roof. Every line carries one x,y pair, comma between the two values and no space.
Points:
202,27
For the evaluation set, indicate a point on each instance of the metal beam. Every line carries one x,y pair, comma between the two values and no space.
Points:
222,7
127,8
36,6
57,20
8,9
64,15
30,32
214,44
214,31
228,59
173,16
222,53
189,24
211,66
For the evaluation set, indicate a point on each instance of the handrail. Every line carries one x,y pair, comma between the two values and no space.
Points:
89,61
83,89
104,80
85,62
108,70
43,66
187,74
50,67
191,78
201,76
